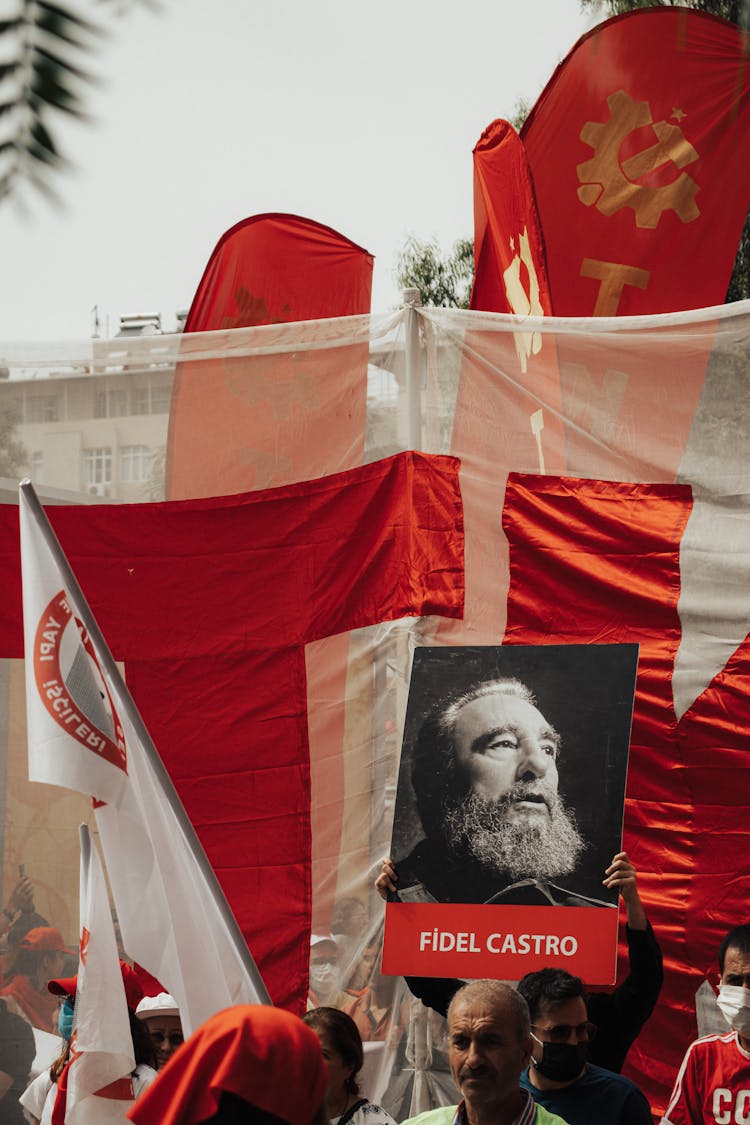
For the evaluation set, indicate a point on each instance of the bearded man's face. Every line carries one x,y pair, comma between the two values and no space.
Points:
509,817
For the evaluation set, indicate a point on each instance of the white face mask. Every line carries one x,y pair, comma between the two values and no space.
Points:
734,1002
325,979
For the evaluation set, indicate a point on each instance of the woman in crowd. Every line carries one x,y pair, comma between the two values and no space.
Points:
40,1096
341,1044
253,1064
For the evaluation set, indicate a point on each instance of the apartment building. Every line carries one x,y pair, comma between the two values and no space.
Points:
98,427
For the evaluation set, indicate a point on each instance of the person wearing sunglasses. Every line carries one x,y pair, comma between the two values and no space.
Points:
161,1018
559,1076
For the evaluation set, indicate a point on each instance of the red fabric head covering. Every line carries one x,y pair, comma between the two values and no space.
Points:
265,1055
131,978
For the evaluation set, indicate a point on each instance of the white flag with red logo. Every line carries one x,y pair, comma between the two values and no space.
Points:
173,919
99,1088
75,737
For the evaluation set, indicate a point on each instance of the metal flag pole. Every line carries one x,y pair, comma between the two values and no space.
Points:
412,302
128,707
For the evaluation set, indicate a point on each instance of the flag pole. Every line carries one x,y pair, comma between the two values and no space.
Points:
412,302
128,707
84,840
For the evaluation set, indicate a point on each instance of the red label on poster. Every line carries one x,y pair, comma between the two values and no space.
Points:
499,942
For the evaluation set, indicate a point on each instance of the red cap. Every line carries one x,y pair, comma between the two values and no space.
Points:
45,939
66,986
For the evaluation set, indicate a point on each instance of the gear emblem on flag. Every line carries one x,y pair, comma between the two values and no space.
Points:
610,183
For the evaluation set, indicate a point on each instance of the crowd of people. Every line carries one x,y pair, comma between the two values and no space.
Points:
543,1052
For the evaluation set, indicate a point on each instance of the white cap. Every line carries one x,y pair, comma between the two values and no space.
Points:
316,939
161,1005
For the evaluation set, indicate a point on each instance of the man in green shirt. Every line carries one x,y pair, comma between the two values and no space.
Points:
490,1046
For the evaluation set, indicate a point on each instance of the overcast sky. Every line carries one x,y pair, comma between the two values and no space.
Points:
361,117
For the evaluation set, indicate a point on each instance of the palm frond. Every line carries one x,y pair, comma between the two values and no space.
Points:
44,49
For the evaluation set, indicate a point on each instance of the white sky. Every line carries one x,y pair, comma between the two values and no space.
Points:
214,110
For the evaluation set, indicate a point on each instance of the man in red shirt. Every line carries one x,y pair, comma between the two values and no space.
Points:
713,1082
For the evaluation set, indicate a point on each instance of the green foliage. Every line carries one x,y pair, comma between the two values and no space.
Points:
521,111
13,455
734,10
42,48
442,279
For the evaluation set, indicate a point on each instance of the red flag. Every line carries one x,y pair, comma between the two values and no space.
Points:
638,147
510,277
510,268
235,423
215,653
610,567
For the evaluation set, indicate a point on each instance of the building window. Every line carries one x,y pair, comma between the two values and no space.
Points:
140,400
160,396
111,403
153,398
97,466
135,463
41,408
117,403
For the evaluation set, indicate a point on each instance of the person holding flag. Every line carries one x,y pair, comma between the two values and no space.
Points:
85,733
108,1059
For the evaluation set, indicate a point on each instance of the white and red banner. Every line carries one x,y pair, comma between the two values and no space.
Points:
97,1085
169,913
75,736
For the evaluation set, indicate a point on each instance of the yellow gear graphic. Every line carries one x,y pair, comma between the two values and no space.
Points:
610,183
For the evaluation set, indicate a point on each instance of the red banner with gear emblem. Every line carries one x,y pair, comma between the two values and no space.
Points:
638,148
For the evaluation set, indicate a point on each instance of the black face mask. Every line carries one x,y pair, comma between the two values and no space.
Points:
561,1062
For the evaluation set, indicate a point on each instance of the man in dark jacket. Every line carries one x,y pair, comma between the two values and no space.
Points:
618,1015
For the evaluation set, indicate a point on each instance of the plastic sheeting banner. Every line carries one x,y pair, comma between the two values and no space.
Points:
589,521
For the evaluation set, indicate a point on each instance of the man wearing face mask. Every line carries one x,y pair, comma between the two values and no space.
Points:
713,1082
325,974
559,1076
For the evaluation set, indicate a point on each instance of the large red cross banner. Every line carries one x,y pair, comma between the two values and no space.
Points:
591,522
223,648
